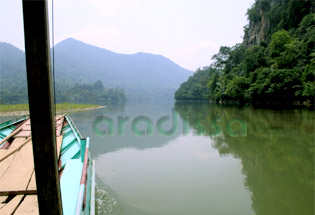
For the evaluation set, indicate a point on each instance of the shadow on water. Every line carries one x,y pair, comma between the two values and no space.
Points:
277,151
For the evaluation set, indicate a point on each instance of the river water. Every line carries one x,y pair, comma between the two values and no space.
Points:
196,158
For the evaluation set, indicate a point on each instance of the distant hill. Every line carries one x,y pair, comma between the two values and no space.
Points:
12,74
141,75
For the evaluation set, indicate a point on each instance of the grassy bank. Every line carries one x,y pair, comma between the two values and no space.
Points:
60,107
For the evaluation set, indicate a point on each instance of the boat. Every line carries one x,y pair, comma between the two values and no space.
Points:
18,193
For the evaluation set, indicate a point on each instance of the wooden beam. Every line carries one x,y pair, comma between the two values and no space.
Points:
18,192
36,34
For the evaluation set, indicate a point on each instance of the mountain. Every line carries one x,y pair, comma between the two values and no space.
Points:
141,75
12,74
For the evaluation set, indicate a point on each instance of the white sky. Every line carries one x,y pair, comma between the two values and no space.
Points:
188,32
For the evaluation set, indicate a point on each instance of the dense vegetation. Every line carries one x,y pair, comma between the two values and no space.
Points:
196,86
94,93
61,107
15,92
274,64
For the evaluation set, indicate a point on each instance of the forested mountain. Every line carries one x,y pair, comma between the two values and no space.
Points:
275,63
12,75
13,85
195,88
80,67
141,75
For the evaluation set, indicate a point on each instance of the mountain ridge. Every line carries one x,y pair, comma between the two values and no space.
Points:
140,75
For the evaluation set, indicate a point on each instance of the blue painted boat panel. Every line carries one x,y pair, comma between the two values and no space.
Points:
67,155
65,131
70,183
66,140
6,131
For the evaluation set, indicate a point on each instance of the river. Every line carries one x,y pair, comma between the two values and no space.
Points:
196,158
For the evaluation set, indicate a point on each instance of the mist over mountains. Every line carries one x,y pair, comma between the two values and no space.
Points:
142,76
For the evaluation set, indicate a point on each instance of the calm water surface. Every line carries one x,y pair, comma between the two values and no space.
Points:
201,159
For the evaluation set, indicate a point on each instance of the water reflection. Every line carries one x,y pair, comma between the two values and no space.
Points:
277,152
221,160
129,138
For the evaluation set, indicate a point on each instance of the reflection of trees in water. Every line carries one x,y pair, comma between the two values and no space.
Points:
277,154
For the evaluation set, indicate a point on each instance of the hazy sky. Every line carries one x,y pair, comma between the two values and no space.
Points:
188,32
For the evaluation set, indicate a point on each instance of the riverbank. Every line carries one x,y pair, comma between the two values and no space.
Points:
22,109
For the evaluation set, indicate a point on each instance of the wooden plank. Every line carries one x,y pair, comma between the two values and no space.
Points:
27,128
20,171
59,142
2,199
17,142
5,164
14,148
9,154
2,152
59,124
29,206
23,134
32,184
11,206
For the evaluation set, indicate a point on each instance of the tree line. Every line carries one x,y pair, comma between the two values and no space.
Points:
65,92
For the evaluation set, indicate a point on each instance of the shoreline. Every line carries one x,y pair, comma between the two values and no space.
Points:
26,112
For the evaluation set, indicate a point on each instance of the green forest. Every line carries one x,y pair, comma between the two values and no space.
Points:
275,63
65,92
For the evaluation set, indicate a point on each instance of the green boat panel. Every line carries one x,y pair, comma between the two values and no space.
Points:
2,136
75,131
66,127
68,139
83,145
69,184
6,131
11,122
67,146
70,153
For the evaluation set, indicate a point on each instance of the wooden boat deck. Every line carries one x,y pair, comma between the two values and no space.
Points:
17,175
